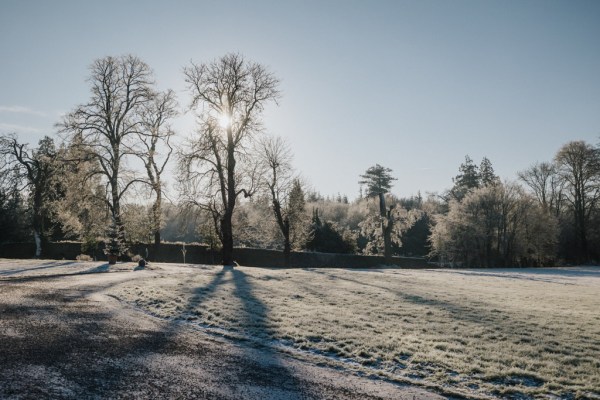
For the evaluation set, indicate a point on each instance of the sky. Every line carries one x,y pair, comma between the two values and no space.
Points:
412,85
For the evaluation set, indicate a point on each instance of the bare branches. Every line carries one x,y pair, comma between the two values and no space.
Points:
156,136
109,125
228,97
547,186
234,87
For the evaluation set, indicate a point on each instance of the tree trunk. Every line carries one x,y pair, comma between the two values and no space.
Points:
116,203
287,247
386,229
156,221
38,244
287,254
284,227
37,223
387,242
227,233
226,225
156,207
382,204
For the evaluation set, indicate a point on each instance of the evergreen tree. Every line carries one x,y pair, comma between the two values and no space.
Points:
33,169
466,181
12,211
297,215
486,173
326,238
378,181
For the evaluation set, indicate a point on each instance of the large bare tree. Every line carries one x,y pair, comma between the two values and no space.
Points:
546,184
579,167
109,124
228,95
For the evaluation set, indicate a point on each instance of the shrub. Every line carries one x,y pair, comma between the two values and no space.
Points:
84,257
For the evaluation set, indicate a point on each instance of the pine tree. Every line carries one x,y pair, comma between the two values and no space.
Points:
378,181
486,173
467,180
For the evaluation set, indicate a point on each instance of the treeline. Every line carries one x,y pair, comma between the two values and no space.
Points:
101,179
551,215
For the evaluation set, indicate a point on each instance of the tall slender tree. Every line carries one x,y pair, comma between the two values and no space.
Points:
487,177
156,150
378,181
284,189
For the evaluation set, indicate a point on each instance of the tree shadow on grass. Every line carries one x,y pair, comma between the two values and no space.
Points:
202,293
265,366
63,344
21,269
479,314
261,364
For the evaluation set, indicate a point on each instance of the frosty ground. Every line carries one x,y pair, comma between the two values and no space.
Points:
313,332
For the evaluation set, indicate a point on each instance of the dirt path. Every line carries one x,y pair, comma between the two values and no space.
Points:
62,336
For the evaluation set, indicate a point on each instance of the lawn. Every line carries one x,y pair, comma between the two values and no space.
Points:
502,333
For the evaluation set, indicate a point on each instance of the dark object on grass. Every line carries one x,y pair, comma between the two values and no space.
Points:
112,258
142,263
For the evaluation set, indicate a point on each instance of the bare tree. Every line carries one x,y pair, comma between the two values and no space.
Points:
546,184
109,125
228,96
157,149
285,190
579,166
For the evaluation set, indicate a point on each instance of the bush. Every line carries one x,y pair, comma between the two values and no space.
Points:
84,257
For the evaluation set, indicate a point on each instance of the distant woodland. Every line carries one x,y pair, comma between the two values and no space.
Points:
102,178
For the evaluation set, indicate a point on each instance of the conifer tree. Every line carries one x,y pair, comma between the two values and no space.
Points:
378,181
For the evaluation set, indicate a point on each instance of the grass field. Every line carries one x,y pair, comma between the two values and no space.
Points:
509,333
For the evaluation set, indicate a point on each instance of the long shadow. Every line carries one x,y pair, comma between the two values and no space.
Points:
271,370
59,331
263,362
532,275
472,314
202,293
65,334
103,268
43,266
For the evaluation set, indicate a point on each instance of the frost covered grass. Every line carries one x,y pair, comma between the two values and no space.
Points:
503,333
511,333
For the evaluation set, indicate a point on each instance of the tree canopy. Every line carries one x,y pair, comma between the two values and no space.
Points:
377,180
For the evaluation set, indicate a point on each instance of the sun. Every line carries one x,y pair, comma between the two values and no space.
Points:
224,120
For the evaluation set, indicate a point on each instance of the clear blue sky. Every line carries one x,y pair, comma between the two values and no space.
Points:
411,85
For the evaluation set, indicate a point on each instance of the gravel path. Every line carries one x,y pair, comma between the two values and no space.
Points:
62,336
